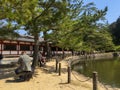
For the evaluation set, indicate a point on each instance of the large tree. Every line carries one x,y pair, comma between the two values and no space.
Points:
35,15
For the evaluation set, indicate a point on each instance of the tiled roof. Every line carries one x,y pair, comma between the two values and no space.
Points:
29,38
26,38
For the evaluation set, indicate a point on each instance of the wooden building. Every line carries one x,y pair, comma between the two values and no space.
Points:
14,47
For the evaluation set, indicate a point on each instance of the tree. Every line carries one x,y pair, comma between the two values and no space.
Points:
100,39
4,29
78,27
114,29
52,13
36,15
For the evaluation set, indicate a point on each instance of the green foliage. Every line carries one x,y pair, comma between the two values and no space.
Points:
117,48
78,30
19,10
8,31
114,29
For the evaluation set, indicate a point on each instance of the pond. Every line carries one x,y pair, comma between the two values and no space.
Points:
108,70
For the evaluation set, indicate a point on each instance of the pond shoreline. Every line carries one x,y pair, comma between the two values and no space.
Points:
76,59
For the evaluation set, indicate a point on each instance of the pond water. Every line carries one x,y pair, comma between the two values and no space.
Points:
108,70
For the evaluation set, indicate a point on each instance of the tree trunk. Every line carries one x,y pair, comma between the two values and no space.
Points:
36,50
47,47
48,50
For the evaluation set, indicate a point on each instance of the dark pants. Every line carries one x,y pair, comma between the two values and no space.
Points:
24,75
17,71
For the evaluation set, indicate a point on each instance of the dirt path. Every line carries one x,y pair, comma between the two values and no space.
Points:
47,79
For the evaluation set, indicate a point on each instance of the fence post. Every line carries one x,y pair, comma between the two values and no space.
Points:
69,74
59,69
69,71
95,79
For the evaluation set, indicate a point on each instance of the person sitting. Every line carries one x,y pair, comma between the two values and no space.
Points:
24,70
41,59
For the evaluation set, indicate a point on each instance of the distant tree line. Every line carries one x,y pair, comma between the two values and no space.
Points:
114,30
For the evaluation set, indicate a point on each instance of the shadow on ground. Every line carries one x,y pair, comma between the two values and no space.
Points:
14,81
52,69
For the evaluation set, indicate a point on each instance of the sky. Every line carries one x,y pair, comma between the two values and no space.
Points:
113,8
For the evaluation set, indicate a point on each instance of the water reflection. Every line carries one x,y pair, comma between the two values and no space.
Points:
108,70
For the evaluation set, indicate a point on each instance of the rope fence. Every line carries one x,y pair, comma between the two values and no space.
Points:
94,76
104,86
79,79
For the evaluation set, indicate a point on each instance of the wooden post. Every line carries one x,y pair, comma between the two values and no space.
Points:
69,74
95,78
59,69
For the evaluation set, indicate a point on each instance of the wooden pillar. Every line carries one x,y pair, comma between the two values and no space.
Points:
18,47
1,47
56,50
